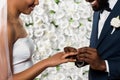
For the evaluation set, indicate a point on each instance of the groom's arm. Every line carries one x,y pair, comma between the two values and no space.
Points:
91,56
114,67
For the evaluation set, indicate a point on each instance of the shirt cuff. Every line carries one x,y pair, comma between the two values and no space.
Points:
107,67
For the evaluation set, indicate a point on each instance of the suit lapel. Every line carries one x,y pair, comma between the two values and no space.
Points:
107,28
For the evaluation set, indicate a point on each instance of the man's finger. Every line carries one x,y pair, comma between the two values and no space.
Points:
85,49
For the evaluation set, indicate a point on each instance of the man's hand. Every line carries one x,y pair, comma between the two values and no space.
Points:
90,55
67,50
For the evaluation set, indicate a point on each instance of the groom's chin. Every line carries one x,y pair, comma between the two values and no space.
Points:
96,9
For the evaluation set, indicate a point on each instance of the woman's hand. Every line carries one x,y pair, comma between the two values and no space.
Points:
60,58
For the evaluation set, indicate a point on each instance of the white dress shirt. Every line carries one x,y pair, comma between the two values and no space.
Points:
103,17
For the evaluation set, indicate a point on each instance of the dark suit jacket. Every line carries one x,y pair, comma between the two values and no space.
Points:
108,46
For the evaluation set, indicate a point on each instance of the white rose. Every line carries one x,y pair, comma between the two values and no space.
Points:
76,77
76,16
45,18
59,14
115,22
68,31
57,76
43,27
75,24
51,28
68,66
37,20
38,33
39,10
63,23
52,5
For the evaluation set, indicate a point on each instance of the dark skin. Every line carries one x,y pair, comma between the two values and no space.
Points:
89,55
70,49
98,5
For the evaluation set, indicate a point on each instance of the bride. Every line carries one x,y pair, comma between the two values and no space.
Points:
21,46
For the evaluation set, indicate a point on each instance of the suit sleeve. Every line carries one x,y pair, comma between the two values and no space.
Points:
114,68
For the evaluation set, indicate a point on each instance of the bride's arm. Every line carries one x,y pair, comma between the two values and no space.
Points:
32,72
35,70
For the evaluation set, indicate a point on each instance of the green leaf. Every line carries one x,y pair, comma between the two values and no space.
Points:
28,24
85,72
37,48
31,24
77,1
52,12
118,17
80,24
36,79
57,49
70,77
58,67
89,19
71,20
53,22
57,1
45,75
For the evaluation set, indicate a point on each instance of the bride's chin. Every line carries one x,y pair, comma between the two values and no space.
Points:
27,12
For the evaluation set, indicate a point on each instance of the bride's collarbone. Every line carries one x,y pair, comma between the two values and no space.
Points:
21,33
16,30
19,30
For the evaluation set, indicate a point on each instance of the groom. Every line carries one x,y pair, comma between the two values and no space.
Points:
103,55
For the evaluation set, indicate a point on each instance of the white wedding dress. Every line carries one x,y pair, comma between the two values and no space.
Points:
22,52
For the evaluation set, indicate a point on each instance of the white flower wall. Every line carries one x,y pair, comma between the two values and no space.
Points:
55,24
